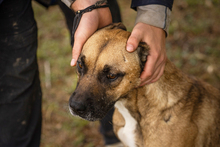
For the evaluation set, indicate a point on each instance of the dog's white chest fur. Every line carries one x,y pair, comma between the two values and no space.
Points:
127,133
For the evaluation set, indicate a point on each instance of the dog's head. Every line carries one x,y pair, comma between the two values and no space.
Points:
107,72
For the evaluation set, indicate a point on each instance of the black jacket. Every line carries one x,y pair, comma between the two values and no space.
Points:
167,3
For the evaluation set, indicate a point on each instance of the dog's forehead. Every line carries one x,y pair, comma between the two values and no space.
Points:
107,47
103,38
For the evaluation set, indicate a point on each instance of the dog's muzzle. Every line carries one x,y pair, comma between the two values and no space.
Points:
88,107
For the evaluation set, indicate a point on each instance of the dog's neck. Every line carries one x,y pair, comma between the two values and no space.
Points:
158,96
166,92
149,105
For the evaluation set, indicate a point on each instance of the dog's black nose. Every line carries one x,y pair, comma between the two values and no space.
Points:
77,107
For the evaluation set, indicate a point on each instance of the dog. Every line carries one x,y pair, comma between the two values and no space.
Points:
176,111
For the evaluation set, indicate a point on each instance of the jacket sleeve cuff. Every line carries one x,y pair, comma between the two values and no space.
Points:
68,3
155,15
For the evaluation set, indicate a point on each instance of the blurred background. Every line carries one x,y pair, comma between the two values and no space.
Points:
193,45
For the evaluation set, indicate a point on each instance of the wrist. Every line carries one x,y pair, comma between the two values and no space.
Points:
82,4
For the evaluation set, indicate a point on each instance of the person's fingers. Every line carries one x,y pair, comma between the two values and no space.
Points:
155,38
157,74
79,40
86,28
148,81
149,69
156,61
77,48
133,40
89,23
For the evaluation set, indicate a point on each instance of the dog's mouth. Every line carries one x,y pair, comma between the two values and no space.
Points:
87,116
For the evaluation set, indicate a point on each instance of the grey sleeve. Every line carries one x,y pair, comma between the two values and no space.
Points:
68,2
155,15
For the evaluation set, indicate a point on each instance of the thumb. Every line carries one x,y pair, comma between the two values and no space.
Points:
133,40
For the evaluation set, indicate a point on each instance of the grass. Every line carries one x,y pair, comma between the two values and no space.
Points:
193,45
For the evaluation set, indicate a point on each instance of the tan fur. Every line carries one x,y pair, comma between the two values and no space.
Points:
175,111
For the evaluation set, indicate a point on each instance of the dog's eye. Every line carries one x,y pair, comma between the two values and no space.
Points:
111,76
80,65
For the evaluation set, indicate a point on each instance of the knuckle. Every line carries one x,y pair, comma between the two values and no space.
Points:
148,74
162,59
156,55
133,40
154,80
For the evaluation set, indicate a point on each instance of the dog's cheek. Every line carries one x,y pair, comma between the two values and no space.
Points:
100,96
130,81
120,91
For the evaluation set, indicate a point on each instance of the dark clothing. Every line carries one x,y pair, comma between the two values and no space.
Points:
167,3
20,93
106,128
115,11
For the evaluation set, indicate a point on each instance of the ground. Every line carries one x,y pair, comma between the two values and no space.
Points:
193,44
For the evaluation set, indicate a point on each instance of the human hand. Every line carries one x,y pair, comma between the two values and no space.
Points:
155,38
89,23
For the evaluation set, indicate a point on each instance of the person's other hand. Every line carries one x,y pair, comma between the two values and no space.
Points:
155,38
89,23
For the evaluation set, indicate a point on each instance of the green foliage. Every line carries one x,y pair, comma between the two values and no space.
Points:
195,2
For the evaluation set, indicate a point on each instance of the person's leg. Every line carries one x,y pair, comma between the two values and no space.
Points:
115,11
69,15
106,127
20,93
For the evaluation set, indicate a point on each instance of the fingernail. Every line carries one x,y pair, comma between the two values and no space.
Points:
130,48
73,62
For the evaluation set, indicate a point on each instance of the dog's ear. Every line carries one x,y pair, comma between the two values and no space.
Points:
117,26
143,52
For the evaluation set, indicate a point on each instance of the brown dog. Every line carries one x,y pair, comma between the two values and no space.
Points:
175,111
